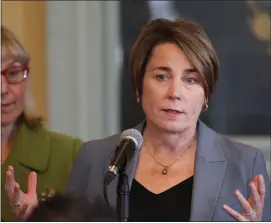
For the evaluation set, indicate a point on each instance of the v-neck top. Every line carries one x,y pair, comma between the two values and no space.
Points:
173,204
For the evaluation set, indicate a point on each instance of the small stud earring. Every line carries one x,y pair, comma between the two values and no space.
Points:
205,107
137,97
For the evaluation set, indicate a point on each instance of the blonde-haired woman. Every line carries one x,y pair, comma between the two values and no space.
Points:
34,160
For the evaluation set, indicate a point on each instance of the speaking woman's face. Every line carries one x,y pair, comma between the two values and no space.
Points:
172,93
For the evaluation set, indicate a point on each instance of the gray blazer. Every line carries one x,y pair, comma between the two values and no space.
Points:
221,166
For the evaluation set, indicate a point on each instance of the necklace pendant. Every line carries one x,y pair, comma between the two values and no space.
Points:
164,172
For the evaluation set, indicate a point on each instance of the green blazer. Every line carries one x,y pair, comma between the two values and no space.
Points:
49,154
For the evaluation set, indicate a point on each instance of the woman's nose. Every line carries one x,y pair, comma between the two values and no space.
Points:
174,92
4,85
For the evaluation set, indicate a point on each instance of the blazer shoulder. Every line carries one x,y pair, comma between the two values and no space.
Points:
104,145
234,150
63,150
96,150
62,141
48,138
61,144
47,148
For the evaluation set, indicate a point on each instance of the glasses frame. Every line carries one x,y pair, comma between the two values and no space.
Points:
25,68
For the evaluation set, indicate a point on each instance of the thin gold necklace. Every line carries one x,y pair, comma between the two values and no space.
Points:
166,167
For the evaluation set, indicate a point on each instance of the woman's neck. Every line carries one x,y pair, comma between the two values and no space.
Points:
161,141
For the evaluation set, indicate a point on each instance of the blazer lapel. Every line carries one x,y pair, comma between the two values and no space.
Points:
210,166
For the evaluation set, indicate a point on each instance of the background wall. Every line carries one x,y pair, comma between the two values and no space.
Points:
27,19
83,64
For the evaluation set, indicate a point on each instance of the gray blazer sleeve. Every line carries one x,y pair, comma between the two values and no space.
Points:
91,163
78,180
260,168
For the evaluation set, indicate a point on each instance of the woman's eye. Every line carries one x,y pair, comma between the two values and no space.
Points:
190,80
14,72
161,77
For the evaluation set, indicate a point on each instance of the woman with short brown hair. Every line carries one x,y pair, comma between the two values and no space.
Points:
184,170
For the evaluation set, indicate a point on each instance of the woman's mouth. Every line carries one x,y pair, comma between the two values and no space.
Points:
173,112
7,107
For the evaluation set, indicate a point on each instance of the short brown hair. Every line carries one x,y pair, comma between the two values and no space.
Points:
13,49
189,36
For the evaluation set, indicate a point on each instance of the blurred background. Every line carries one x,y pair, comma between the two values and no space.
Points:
79,56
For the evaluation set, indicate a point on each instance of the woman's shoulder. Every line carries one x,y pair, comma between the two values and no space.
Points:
232,147
235,149
49,138
237,144
61,140
105,145
108,144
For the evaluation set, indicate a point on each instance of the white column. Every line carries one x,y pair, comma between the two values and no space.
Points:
83,78
113,63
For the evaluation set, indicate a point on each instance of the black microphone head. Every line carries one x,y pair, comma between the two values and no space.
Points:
134,135
134,144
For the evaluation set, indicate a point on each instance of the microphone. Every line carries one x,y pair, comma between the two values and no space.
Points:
130,141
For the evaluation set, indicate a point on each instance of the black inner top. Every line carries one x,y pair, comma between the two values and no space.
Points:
173,204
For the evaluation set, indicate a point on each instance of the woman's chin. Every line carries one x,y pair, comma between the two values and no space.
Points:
173,126
7,119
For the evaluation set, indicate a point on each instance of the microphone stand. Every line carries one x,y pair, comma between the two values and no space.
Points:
123,193
123,190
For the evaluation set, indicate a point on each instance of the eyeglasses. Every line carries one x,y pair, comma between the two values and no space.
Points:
15,75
